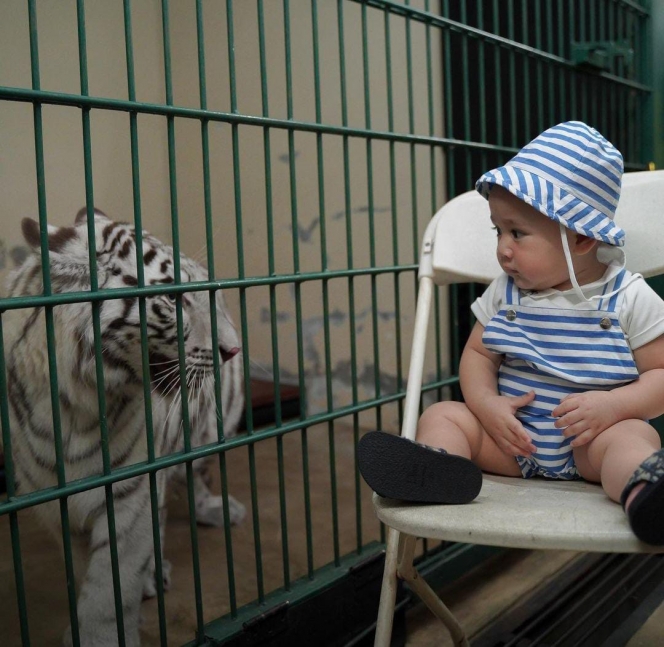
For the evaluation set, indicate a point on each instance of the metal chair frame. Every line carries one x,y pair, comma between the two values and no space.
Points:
509,512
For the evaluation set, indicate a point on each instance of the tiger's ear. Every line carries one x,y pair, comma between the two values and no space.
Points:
58,237
82,215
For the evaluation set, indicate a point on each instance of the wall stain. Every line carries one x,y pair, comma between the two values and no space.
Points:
310,329
17,254
285,157
265,316
338,215
305,233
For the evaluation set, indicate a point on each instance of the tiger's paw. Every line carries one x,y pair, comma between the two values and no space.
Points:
150,584
210,511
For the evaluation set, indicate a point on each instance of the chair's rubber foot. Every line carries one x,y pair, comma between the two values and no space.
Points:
397,468
646,513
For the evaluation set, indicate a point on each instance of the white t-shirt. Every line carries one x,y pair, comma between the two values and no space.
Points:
641,316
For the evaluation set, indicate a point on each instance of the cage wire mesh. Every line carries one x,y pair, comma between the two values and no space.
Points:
298,149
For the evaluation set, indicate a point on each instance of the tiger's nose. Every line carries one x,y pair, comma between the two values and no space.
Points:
230,353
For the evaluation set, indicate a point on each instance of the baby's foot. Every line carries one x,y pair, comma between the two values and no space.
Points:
645,508
398,468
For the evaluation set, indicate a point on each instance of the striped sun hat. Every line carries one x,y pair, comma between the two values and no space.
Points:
571,174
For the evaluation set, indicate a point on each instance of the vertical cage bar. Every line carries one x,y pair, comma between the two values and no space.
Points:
468,154
613,117
48,314
298,290
326,298
583,36
273,298
434,203
561,72
451,184
465,75
593,85
449,117
621,90
393,208
514,139
19,581
482,84
411,130
631,106
370,197
497,76
550,69
145,359
96,323
538,65
349,257
243,302
572,74
526,74
650,51
177,277
209,240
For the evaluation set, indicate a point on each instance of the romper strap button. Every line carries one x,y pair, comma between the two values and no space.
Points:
605,323
511,315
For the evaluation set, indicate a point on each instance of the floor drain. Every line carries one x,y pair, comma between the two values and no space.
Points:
593,600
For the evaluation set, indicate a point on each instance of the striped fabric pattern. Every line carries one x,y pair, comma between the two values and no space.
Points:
556,352
571,174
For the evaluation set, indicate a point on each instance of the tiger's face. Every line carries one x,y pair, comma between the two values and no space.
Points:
120,318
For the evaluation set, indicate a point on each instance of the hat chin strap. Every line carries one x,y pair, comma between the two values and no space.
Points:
572,275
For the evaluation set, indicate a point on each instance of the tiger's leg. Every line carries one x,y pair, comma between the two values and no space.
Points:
209,507
150,584
96,600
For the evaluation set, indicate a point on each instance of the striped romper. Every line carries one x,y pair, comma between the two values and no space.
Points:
556,352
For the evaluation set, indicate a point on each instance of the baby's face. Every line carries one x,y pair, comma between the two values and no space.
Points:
529,246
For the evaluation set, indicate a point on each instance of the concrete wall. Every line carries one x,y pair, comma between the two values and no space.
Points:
63,151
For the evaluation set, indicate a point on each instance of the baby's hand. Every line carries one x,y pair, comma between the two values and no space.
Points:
585,415
499,420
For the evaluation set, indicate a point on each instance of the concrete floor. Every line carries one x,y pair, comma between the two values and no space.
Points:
485,593
489,591
480,596
652,631
44,570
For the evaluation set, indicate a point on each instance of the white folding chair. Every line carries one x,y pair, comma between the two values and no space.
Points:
458,247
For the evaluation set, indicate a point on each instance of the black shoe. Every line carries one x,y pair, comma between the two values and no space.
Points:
397,468
646,511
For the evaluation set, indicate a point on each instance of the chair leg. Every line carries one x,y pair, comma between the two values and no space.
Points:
408,572
388,592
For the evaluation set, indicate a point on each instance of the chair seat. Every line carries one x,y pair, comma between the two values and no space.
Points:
523,513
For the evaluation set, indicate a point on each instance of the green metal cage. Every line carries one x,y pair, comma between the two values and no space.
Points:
369,113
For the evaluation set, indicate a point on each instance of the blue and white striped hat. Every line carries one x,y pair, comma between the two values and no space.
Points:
571,174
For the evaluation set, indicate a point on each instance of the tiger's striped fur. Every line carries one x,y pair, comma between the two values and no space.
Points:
31,415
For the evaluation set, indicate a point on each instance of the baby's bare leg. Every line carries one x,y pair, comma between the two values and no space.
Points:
612,457
453,427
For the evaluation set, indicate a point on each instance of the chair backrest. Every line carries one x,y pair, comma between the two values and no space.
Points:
460,246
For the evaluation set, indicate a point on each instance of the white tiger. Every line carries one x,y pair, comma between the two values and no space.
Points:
31,416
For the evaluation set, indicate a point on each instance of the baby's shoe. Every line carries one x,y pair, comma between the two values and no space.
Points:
398,468
646,510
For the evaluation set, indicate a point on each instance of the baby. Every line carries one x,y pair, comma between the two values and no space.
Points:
565,364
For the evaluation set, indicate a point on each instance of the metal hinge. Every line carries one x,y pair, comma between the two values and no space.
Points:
602,53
